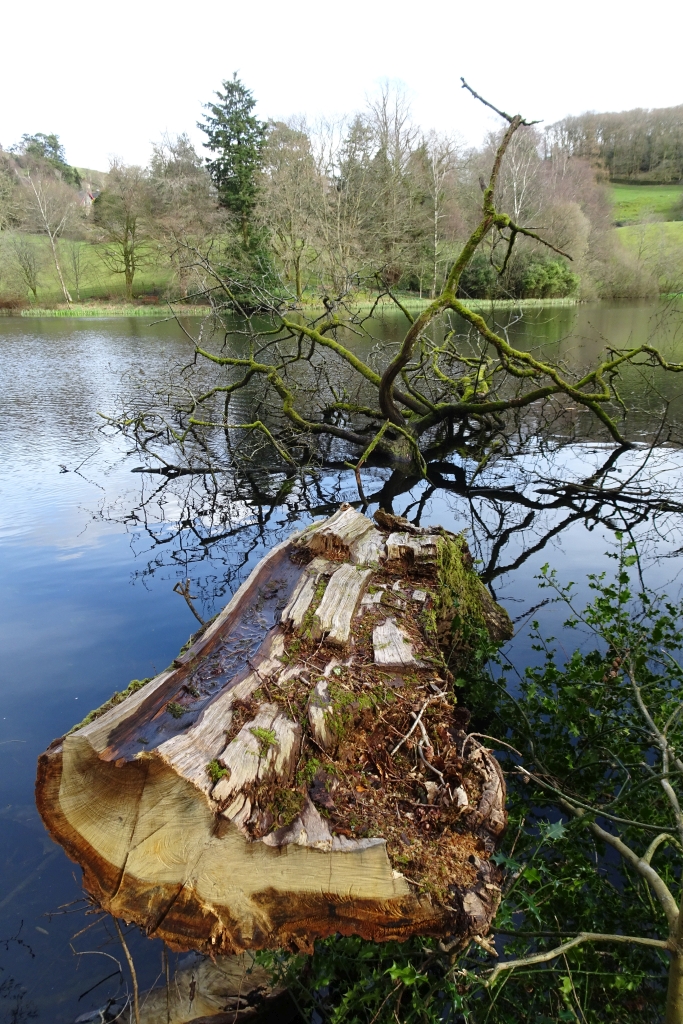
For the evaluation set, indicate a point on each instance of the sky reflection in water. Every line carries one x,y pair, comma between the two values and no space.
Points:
89,555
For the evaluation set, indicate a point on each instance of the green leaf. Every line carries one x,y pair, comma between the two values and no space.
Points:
408,975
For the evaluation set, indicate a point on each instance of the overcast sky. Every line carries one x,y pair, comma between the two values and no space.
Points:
109,78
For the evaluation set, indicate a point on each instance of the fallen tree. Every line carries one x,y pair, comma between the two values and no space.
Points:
303,768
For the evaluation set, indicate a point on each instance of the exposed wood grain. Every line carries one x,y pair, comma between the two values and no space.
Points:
319,708
294,612
391,646
226,990
339,602
350,534
239,800
416,548
266,746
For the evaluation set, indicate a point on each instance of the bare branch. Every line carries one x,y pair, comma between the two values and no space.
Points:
578,940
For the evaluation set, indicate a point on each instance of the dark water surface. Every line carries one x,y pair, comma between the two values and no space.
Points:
90,552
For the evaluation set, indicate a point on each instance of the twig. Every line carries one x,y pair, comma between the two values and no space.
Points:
427,764
167,974
413,726
501,113
184,590
131,967
551,954
485,944
484,736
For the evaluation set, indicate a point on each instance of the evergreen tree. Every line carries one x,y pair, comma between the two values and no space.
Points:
48,147
237,138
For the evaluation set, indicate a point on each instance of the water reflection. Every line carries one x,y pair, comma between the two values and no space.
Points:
90,558
512,508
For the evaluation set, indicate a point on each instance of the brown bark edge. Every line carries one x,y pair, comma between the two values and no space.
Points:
157,850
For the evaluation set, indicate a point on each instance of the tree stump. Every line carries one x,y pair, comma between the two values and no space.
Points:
303,768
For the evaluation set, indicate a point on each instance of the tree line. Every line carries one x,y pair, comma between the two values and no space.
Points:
366,201
631,145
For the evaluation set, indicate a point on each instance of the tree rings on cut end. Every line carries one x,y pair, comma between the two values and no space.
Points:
313,780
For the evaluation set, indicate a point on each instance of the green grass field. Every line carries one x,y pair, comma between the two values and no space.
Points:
637,204
97,284
659,246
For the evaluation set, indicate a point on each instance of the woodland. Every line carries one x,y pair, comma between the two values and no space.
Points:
339,206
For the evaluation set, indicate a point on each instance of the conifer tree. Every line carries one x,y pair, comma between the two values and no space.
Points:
237,138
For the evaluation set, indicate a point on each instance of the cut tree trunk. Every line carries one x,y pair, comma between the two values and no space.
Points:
225,990
303,769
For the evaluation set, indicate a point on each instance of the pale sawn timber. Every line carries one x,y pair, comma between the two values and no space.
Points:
303,769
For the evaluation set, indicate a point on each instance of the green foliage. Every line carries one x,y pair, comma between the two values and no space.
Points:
175,709
286,804
350,981
531,275
266,739
544,278
307,772
238,139
458,605
479,279
216,771
48,147
578,723
459,589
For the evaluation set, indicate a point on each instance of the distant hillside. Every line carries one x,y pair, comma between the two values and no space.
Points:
631,145
93,179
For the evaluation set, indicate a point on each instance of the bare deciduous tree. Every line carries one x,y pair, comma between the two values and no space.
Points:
183,204
120,213
439,156
50,203
25,259
288,206
333,381
78,261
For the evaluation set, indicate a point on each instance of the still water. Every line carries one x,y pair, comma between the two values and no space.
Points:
90,553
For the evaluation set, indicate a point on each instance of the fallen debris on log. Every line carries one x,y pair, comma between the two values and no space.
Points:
303,769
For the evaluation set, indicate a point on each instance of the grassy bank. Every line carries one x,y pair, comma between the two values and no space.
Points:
163,312
159,312
87,278
636,204
659,247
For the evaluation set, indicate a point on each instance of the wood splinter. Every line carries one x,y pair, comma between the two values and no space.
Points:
247,799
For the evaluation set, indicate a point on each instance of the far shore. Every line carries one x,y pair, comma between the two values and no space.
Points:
162,311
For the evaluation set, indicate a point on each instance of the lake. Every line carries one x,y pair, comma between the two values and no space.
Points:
90,552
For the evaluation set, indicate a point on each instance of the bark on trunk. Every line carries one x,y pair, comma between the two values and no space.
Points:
303,769
227,990
674,995
65,290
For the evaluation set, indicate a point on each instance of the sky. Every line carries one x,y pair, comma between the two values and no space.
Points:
110,78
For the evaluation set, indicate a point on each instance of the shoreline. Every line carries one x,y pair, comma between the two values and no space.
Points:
161,313
123,312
